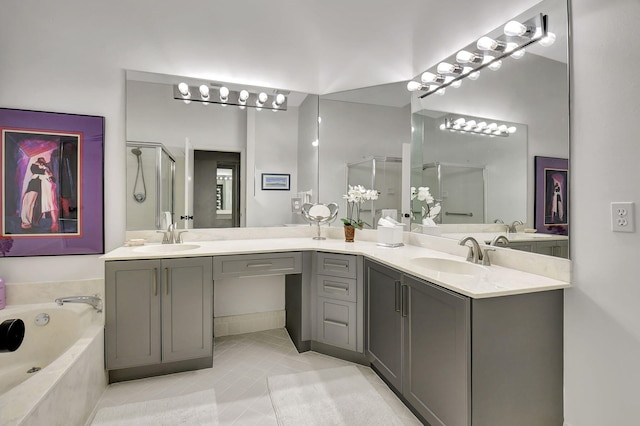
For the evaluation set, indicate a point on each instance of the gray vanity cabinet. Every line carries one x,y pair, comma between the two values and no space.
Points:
338,295
384,322
158,311
459,361
436,358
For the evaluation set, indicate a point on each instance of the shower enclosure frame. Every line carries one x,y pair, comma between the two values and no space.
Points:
375,160
438,198
160,149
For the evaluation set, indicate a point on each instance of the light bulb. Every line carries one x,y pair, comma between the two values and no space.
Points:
548,40
429,77
471,123
482,125
442,126
495,66
183,88
492,126
242,98
512,129
262,98
515,29
459,121
413,86
204,91
465,57
487,43
517,54
280,98
502,128
457,126
224,94
447,68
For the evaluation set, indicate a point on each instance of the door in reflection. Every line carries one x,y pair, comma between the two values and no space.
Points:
216,189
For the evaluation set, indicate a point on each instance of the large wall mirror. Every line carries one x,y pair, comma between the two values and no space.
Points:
487,180
325,142
220,153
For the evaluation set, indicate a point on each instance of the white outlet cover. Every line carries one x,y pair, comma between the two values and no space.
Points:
623,216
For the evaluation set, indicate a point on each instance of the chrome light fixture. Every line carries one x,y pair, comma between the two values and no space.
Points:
470,126
216,93
486,52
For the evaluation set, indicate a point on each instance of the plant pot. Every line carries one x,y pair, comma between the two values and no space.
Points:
349,233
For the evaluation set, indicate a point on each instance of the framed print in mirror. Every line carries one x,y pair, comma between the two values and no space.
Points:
51,183
276,181
551,195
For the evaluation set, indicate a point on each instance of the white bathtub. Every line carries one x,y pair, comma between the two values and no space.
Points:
69,352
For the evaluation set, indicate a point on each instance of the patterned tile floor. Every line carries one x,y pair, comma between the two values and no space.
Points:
241,365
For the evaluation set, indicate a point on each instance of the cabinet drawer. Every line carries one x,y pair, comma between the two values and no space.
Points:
336,265
256,264
336,287
337,323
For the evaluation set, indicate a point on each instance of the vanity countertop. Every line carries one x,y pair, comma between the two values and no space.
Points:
481,282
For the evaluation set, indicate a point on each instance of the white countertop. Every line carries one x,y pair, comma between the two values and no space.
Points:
491,281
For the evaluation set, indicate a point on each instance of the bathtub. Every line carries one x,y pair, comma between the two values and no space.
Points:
67,353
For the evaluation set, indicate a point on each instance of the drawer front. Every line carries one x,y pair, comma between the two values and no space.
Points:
337,323
256,264
336,287
336,265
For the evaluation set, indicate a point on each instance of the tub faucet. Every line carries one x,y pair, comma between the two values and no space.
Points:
94,301
475,254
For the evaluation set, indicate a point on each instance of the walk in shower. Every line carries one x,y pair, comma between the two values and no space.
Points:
150,186
383,174
460,190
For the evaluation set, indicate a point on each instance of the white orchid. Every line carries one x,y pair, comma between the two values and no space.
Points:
423,194
355,196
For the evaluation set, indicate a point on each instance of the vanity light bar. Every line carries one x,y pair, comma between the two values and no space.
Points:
486,52
475,127
277,101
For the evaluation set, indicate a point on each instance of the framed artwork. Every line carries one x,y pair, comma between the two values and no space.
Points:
551,211
276,181
51,183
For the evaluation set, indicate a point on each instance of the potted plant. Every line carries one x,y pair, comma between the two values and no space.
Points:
355,196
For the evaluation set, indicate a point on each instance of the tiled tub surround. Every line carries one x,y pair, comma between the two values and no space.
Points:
70,352
511,272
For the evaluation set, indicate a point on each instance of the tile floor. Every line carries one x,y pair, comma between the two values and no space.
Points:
241,365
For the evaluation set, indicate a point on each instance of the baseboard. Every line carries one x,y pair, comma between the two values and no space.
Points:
248,323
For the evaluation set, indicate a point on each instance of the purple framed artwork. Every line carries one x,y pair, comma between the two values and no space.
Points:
51,183
551,210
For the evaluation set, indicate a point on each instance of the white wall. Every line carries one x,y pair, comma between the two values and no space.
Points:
602,318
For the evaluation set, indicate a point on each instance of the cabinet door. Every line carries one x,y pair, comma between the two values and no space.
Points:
437,372
337,323
187,300
132,323
384,321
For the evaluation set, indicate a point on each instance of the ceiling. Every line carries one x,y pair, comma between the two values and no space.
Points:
314,46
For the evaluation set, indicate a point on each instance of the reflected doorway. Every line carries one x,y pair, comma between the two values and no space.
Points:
216,189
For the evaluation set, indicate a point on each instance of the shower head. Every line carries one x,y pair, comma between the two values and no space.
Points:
136,151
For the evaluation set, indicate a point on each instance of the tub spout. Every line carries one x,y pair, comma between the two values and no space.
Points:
94,301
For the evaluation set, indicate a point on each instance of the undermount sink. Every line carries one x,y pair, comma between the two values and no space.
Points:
166,248
449,266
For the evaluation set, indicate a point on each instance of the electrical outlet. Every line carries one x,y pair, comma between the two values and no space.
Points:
622,217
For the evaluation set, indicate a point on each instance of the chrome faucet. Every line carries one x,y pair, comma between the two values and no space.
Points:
514,224
475,254
499,239
172,235
94,301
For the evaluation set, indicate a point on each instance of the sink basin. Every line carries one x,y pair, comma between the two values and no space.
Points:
449,266
166,248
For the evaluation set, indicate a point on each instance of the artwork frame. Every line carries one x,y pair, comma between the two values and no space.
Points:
51,183
551,208
276,182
